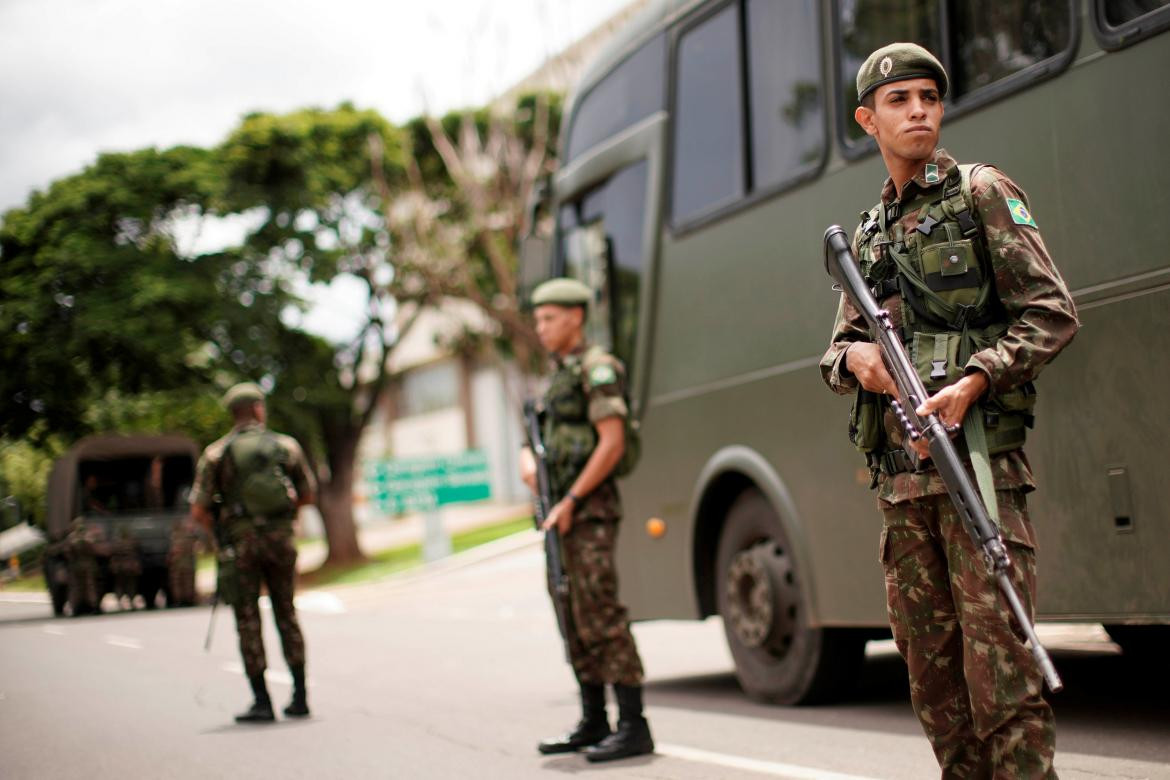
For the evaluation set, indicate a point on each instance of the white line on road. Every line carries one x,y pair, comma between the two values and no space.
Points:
53,630
123,641
312,601
774,768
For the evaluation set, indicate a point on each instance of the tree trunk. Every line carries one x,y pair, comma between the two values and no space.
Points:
336,499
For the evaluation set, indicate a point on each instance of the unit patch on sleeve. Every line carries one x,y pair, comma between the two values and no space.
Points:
1020,213
602,375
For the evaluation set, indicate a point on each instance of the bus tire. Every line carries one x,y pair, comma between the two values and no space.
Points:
778,657
1140,642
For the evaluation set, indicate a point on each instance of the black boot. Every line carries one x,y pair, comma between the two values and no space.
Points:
261,709
593,728
632,737
299,706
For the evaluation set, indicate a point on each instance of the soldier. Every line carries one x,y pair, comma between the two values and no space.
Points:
956,258
181,565
248,488
81,556
125,566
584,435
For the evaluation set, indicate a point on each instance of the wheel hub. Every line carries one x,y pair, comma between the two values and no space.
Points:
761,597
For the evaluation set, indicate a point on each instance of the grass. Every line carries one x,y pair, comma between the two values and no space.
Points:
29,583
396,559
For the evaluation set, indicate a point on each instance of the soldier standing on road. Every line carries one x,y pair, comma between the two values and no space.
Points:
81,550
584,435
125,567
956,258
181,565
248,487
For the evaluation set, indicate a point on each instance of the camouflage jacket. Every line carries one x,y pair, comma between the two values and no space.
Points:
1038,311
211,479
587,385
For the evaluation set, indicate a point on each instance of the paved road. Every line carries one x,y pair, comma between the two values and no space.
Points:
455,673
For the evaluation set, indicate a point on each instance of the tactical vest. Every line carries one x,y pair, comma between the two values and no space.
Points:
950,310
569,435
259,489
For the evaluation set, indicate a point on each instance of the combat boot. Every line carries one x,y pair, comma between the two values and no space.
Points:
299,706
592,729
632,737
261,709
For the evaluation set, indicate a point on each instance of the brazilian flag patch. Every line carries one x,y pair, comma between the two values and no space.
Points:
602,375
1020,213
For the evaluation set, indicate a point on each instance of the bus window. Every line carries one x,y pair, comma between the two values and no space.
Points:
708,118
865,25
1118,12
992,40
1119,23
983,42
635,89
787,106
601,244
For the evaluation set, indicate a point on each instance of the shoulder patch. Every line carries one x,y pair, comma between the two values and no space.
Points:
602,374
1020,213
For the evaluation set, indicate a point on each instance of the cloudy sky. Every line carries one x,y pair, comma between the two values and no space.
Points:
82,76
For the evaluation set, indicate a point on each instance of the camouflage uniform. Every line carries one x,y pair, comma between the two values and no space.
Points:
587,387
973,683
181,565
264,548
125,566
81,555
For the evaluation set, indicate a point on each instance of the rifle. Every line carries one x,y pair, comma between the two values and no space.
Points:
211,622
843,267
558,581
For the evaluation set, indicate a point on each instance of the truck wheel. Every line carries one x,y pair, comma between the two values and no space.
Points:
778,657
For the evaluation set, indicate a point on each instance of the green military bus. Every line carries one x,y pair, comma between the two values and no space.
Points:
705,153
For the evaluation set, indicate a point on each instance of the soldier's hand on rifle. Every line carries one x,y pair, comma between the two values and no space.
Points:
528,468
953,401
561,515
864,360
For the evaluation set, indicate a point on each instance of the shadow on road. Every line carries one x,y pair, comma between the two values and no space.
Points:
1111,705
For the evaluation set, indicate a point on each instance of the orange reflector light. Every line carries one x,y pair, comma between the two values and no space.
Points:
656,527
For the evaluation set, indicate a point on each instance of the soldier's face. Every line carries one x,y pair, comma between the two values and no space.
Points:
905,118
558,327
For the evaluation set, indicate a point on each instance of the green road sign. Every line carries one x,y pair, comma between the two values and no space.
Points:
397,485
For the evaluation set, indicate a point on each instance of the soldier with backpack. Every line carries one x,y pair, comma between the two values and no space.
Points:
589,440
248,487
954,255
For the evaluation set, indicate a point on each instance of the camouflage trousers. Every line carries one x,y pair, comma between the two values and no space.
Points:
267,557
83,591
601,647
973,684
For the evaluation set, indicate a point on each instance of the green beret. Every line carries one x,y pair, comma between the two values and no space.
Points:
899,62
562,292
243,393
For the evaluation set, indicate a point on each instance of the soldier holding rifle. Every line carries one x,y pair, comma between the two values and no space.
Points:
954,255
584,437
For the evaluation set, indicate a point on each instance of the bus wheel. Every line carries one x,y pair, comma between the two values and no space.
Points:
778,657
1140,642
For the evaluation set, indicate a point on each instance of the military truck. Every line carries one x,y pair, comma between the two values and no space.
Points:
118,484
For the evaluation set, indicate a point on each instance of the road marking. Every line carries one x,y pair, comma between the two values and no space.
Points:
774,768
53,630
312,601
271,675
123,641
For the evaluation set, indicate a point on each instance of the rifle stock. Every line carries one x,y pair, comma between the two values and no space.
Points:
558,581
843,267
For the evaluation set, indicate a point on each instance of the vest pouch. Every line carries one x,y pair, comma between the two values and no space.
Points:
951,271
936,357
1007,417
866,429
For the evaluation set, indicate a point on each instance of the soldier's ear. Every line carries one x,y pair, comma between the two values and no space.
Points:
865,117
